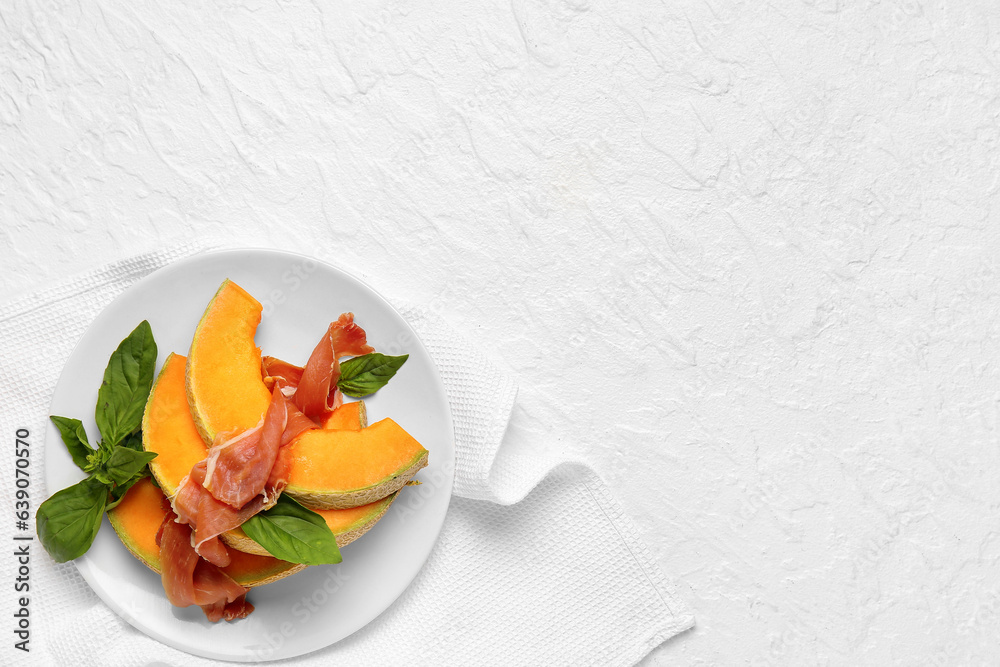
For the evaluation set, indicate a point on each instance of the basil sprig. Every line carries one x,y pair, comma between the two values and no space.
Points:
368,373
290,532
68,521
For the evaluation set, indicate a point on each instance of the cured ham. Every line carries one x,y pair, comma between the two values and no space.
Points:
278,478
275,371
189,579
296,425
245,472
315,385
238,467
208,516
235,481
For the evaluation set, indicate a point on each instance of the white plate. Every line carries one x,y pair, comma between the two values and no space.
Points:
321,605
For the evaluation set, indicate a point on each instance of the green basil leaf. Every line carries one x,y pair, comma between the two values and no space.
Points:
67,523
125,388
75,439
290,532
367,374
125,463
118,493
133,441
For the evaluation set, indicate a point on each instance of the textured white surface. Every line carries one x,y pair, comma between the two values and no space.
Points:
742,258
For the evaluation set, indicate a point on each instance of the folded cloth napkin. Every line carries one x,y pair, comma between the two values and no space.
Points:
536,563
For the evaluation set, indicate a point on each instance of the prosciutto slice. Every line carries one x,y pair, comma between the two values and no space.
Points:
208,516
238,467
235,481
282,373
315,385
189,579
297,424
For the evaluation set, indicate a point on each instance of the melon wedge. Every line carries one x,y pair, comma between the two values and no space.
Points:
167,427
138,517
347,525
342,469
225,389
351,416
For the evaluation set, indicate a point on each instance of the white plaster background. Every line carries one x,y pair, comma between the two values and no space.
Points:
742,257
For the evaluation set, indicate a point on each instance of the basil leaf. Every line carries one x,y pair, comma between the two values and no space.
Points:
367,374
291,532
67,523
118,493
75,438
125,388
133,441
125,463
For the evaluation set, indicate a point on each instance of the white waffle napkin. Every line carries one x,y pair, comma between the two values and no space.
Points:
577,586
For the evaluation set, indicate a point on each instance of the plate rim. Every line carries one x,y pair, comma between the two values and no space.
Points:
88,570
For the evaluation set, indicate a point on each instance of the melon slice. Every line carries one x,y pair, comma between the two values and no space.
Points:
347,525
225,389
138,517
167,427
351,416
342,469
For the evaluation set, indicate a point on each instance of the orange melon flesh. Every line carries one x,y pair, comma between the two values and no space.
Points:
341,521
138,518
224,384
340,469
349,416
167,427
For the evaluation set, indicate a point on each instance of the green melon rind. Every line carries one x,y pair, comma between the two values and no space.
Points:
345,499
281,574
237,539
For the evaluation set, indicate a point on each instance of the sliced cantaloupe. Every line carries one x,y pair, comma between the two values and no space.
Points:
226,392
341,469
225,389
347,525
351,416
169,430
138,517
167,427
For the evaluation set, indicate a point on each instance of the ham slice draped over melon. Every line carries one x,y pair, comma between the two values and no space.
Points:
189,579
317,393
313,388
245,472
